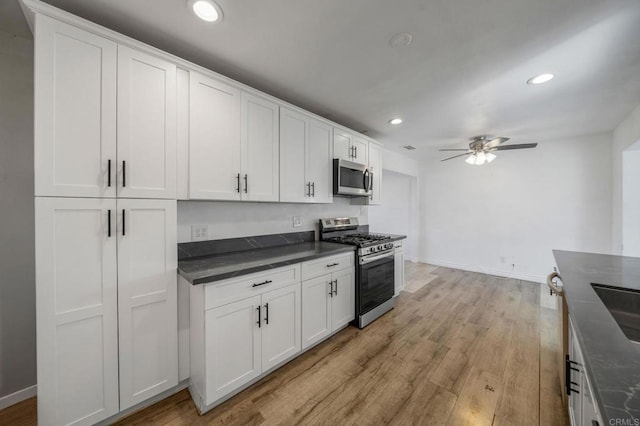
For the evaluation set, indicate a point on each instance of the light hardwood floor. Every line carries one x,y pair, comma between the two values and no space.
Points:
463,349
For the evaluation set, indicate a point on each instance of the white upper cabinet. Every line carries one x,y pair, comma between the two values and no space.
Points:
348,146
214,140
146,126
233,143
305,159
75,112
87,144
360,150
342,148
147,299
319,161
260,149
375,167
294,130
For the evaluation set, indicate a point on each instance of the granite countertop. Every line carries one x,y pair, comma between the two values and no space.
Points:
611,360
205,269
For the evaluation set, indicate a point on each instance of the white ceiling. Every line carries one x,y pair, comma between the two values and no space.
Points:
464,74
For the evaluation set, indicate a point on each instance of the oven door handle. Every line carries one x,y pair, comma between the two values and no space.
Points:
369,259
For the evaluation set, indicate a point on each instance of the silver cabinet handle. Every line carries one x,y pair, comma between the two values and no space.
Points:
246,184
313,186
330,288
335,292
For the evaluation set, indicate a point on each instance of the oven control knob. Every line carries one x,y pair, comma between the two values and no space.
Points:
389,245
372,249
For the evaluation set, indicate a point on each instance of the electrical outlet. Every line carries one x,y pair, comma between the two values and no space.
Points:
296,221
199,232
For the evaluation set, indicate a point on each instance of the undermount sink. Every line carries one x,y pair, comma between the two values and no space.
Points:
624,305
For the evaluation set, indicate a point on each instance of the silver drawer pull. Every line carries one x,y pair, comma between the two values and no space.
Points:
332,264
263,283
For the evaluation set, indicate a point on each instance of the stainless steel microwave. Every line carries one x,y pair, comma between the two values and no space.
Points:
351,179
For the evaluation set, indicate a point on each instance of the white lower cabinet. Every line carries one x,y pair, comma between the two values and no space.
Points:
398,268
245,338
232,347
328,304
242,328
582,408
106,303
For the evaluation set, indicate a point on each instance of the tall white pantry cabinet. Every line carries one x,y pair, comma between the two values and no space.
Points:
105,213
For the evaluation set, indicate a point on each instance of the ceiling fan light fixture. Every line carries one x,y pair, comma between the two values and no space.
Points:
471,159
207,10
395,121
539,79
490,157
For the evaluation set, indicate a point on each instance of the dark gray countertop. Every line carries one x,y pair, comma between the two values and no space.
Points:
205,269
611,360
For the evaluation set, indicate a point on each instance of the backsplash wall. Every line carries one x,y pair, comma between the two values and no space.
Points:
239,219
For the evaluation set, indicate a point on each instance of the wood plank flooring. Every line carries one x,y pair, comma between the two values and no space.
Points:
463,349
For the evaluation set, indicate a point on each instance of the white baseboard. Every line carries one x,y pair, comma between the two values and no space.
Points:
482,270
21,395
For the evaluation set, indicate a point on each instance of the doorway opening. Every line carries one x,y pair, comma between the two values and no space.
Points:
631,201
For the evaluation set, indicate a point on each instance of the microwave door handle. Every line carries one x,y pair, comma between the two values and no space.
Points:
366,180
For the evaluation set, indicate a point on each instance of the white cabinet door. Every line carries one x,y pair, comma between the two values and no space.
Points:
146,126
260,149
319,161
76,301
316,310
75,111
280,325
360,150
294,187
342,145
575,398
375,167
343,301
214,140
398,268
147,298
233,347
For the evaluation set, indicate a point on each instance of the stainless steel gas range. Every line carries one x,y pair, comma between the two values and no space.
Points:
374,270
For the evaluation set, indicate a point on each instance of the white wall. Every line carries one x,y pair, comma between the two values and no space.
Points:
17,263
400,163
236,219
398,212
625,135
631,201
518,208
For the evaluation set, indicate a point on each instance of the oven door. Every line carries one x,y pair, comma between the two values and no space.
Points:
351,178
375,282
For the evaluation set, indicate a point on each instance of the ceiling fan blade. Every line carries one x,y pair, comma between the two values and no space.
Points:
518,146
455,149
495,142
455,156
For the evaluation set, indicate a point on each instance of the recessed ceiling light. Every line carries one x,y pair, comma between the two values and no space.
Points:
401,40
539,79
395,121
207,10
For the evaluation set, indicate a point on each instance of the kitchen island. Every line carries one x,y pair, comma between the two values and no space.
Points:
611,359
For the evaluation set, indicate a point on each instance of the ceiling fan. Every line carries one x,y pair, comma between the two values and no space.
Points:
481,149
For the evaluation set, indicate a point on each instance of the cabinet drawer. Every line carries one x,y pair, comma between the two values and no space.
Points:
233,289
325,265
